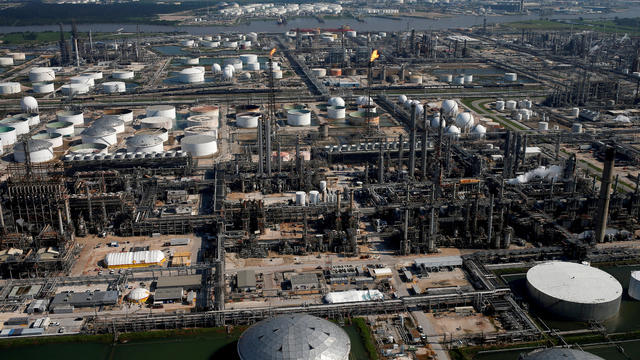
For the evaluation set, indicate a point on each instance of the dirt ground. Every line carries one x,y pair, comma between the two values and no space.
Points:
443,279
457,325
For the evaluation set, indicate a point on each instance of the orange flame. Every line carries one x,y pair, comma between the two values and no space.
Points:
273,51
374,55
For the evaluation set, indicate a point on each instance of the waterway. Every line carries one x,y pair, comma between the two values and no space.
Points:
369,24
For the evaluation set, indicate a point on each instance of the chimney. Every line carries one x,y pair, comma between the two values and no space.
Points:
605,194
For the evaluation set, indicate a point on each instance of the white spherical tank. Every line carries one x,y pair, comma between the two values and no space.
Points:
574,291
464,120
162,133
53,138
402,99
247,120
450,107
29,104
336,101
436,122
126,115
634,285
510,77
72,116
191,76
65,128
157,122
216,68
199,145
301,198
479,131
110,122
74,89
162,110
99,135
21,125
8,135
299,117
8,88
144,144
39,151
203,120
43,87
122,74
336,112
453,131
42,74
114,87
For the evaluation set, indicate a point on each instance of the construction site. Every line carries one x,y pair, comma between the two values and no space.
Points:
161,182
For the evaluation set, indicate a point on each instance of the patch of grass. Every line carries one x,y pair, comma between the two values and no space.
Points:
41,340
367,337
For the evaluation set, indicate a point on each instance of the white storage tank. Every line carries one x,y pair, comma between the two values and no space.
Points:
500,105
510,77
479,131
216,68
468,79
8,135
29,104
314,197
415,79
575,112
75,117
464,120
65,128
83,79
199,145
511,105
191,76
203,120
53,138
144,143
6,61
323,185
43,87
543,126
157,122
576,128
249,58
437,122
74,89
192,61
122,74
299,117
162,133
247,120
336,112
634,285
31,119
277,74
162,110
201,130
110,122
235,62
188,43
453,131
114,87
39,151
99,135
402,99
19,124
42,74
446,78
18,56
458,80
97,75
319,72
7,88
449,107
336,101
574,291
301,198
126,115
210,110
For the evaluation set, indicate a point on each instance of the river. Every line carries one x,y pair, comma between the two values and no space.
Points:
369,24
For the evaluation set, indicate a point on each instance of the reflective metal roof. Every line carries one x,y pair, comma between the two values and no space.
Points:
296,336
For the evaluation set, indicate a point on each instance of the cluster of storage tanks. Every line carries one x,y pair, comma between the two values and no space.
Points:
241,41
520,110
314,197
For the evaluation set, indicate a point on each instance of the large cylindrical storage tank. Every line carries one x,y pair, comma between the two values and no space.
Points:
126,115
199,145
211,110
8,135
65,128
144,144
99,135
6,61
299,117
42,74
634,285
112,123
468,79
191,76
192,61
458,80
18,56
97,75
53,138
249,58
74,89
301,198
39,151
543,126
336,112
201,130
446,78
576,128
21,125
157,122
162,133
510,77
162,110
122,74
500,105
511,104
203,120
73,116
574,291
247,120
31,119
88,149
188,43
252,66
335,72
277,74
83,79
235,62
319,72
114,87
8,88
43,87
314,197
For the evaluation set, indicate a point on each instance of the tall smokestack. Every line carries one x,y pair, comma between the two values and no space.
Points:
605,194
412,142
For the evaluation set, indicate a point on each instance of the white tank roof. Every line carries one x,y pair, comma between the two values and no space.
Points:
98,131
34,145
29,104
573,282
449,107
144,140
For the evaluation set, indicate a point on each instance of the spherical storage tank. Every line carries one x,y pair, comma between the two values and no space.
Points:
299,117
203,120
8,135
559,354
53,138
144,144
72,116
7,88
29,104
247,120
464,120
294,336
113,87
43,87
125,115
336,101
436,122
109,122
191,75
39,151
216,68
199,145
479,131
99,135
162,110
453,131
634,284
65,128
450,107
41,74
574,291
